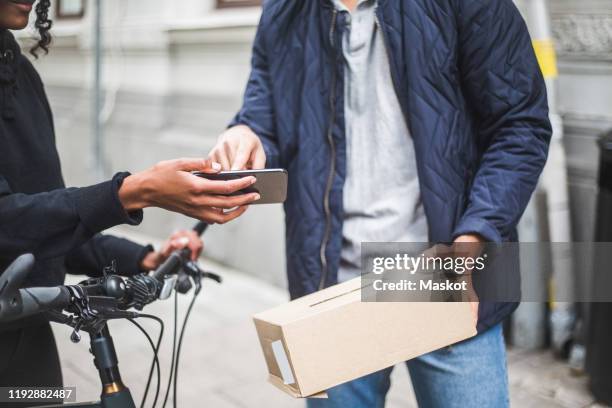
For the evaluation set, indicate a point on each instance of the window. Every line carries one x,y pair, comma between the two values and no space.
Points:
66,9
237,3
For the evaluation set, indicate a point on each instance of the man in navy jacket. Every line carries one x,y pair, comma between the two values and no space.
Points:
447,94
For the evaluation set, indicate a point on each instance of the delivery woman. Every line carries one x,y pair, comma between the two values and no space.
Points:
62,226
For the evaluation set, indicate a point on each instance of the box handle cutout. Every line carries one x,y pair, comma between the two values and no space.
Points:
283,362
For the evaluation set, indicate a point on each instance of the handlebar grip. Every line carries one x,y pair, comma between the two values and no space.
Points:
169,267
31,301
175,260
200,227
41,299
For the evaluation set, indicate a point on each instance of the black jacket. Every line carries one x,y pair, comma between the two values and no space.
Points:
59,225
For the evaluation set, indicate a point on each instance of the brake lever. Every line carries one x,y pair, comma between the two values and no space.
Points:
212,275
59,317
183,283
193,270
74,321
80,303
85,317
95,325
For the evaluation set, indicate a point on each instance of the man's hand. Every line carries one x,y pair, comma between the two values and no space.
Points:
171,186
470,239
238,148
178,240
472,244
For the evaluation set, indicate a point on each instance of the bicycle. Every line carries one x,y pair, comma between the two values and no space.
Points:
89,305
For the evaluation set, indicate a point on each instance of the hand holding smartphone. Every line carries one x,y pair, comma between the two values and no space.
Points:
271,184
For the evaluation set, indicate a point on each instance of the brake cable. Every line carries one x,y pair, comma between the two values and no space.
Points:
154,363
171,377
180,342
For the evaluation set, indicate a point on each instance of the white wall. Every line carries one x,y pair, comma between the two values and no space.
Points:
174,73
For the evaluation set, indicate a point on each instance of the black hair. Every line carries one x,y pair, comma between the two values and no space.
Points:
43,25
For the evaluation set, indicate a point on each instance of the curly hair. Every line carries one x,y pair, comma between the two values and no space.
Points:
43,25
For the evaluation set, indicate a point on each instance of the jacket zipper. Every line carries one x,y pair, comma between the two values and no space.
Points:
332,165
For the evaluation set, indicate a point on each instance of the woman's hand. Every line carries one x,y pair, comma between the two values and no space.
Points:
171,186
178,240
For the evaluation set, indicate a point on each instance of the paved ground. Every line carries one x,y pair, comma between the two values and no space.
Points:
222,366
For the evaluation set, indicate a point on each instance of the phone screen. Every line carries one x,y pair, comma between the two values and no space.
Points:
271,184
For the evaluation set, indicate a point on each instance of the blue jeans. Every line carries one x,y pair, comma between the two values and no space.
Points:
468,374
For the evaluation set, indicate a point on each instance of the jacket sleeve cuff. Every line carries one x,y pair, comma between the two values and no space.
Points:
271,156
99,206
131,257
127,254
480,226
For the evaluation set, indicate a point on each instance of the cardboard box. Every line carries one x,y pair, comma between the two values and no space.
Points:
330,337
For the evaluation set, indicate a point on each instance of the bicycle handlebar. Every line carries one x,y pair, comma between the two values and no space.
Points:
37,299
16,303
171,264
174,262
200,227
136,291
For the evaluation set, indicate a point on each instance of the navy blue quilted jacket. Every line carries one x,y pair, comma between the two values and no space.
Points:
473,96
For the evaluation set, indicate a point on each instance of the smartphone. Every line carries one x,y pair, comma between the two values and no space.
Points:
271,184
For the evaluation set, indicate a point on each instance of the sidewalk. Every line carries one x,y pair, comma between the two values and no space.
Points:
222,365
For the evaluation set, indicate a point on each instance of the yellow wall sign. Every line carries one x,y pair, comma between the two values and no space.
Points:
547,58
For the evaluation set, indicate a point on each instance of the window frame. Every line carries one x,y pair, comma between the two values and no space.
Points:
221,4
72,16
